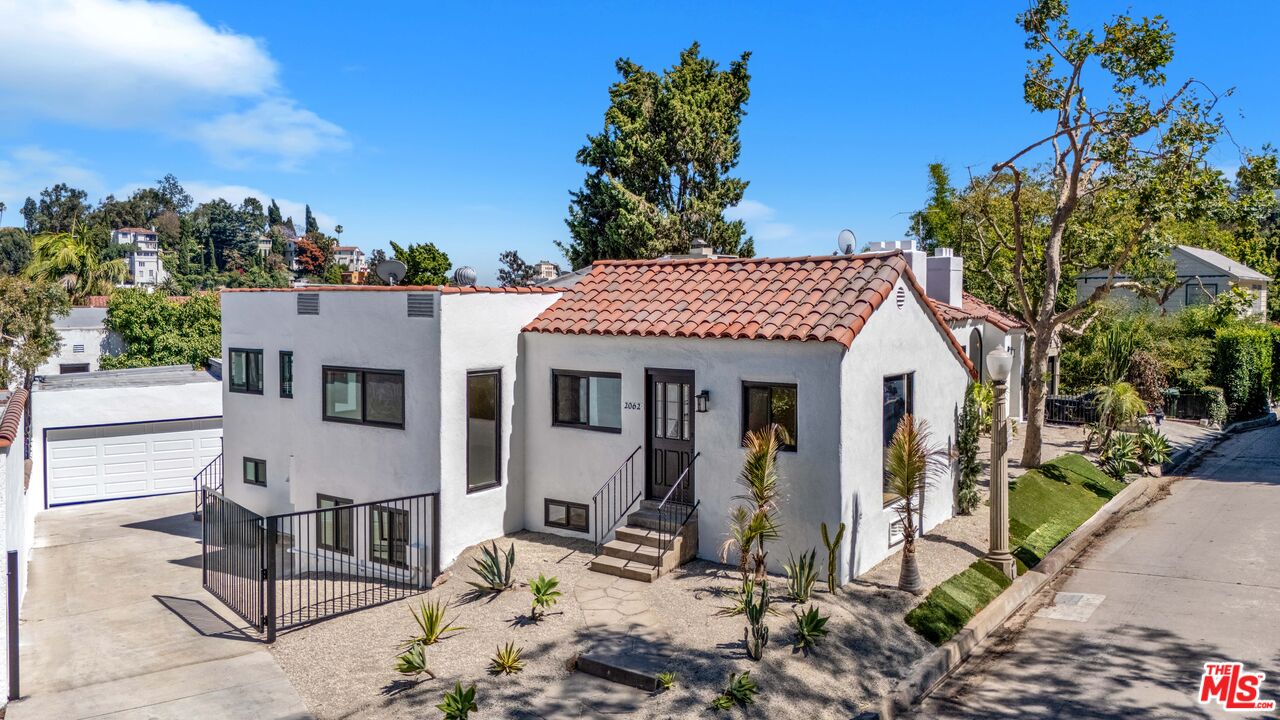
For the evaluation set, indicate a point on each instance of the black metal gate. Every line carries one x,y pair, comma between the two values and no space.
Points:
283,571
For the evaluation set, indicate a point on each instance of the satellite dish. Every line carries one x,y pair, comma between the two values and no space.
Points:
391,271
846,241
464,276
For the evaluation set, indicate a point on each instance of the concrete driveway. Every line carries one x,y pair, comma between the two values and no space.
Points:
116,625
1194,578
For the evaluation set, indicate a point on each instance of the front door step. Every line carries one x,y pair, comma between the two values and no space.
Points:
632,656
630,569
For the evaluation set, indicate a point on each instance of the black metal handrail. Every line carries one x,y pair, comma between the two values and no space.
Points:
209,477
616,497
674,512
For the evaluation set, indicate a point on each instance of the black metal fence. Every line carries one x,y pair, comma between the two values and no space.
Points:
209,477
1188,406
1070,410
316,564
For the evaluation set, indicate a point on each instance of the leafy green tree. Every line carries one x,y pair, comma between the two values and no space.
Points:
424,264
314,254
274,217
312,226
939,223
515,272
27,335
255,219
159,330
375,257
3,207
221,228
59,209
658,175
175,196
69,259
15,250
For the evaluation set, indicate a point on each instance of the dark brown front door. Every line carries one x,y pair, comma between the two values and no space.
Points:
670,403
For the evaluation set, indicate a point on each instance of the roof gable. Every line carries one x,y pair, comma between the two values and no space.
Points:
1221,262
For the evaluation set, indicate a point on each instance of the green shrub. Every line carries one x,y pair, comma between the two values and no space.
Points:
1242,367
1120,456
1153,447
742,690
666,680
970,428
431,624
1217,404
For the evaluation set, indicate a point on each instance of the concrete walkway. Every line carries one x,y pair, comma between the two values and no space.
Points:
116,625
1194,578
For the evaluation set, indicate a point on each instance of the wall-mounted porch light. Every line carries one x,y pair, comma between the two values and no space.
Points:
702,398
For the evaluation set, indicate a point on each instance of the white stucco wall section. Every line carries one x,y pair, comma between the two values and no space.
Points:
17,527
894,341
992,337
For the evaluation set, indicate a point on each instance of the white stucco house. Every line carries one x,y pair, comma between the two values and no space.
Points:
518,405
84,340
145,266
1201,275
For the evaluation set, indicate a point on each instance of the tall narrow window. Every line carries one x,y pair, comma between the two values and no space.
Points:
766,404
333,527
389,536
286,374
484,429
592,401
975,351
898,403
246,371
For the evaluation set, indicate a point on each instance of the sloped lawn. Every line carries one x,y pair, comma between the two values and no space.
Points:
1045,506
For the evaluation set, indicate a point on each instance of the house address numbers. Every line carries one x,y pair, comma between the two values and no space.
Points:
631,405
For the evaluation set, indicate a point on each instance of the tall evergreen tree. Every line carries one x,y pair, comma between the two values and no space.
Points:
274,217
658,174
312,225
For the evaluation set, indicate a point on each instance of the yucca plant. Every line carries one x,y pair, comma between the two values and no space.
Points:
759,480
494,568
1153,447
801,575
507,660
742,689
666,680
809,627
1118,405
756,634
458,702
833,547
909,464
432,625
413,661
1120,456
544,595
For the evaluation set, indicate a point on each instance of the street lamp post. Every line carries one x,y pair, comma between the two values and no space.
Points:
999,364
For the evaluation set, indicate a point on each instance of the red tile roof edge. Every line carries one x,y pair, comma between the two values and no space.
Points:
11,421
444,289
758,260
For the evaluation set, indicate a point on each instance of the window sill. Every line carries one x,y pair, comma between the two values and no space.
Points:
568,527
890,500
243,391
592,428
482,488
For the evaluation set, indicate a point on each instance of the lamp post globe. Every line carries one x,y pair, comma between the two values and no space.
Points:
999,364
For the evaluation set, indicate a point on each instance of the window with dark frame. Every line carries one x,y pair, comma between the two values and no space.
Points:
765,404
69,368
286,373
484,429
587,400
255,471
364,397
389,536
899,401
333,527
566,515
1201,293
246,371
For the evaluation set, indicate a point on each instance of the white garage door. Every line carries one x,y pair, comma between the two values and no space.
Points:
121,461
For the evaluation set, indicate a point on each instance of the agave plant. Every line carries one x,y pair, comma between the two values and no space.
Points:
544,595
494,569
666,680
742,689
910,461
413,661
833,547
809,627
801,575
1153,447
432,625
458,702
1120,456
507,660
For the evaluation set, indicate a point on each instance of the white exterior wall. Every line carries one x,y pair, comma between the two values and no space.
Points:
894,341
83,326
1015,341
571,463
17,527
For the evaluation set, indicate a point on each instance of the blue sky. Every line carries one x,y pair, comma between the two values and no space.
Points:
458,125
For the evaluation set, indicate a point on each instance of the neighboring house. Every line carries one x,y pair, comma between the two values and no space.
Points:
545,270
84,340
145,265
516,405
1201,275
350,258
123,433
264,244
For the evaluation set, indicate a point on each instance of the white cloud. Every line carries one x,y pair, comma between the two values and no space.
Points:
273,130
759,220
154,66
27,169
204,192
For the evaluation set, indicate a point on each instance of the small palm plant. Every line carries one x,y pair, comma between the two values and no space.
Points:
458,702
494,569
833,547
809,627
544,595
801,575
507,660
432,626
909,463
413,661
754,523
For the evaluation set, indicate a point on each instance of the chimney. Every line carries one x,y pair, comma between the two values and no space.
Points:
915,258
945,281
700,249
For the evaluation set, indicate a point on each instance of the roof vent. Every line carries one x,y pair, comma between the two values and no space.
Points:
77,348
422,305
901,297
700,249
308,303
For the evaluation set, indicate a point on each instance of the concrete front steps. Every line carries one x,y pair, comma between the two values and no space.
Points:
636,552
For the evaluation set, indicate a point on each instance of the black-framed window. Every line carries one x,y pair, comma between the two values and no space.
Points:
484,429
69,368
255,471
286,373
246,371
975,351
567,515
333,528
765,404
389,536
588,400
899,401
1201,293
364,397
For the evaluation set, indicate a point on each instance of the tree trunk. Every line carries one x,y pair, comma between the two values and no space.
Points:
1038,360
909,578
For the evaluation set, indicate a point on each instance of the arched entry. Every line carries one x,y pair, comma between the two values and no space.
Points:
975,351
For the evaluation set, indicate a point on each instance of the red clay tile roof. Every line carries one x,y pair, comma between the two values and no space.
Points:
11,420
95,301
823,298
975,309
445,289
144,231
